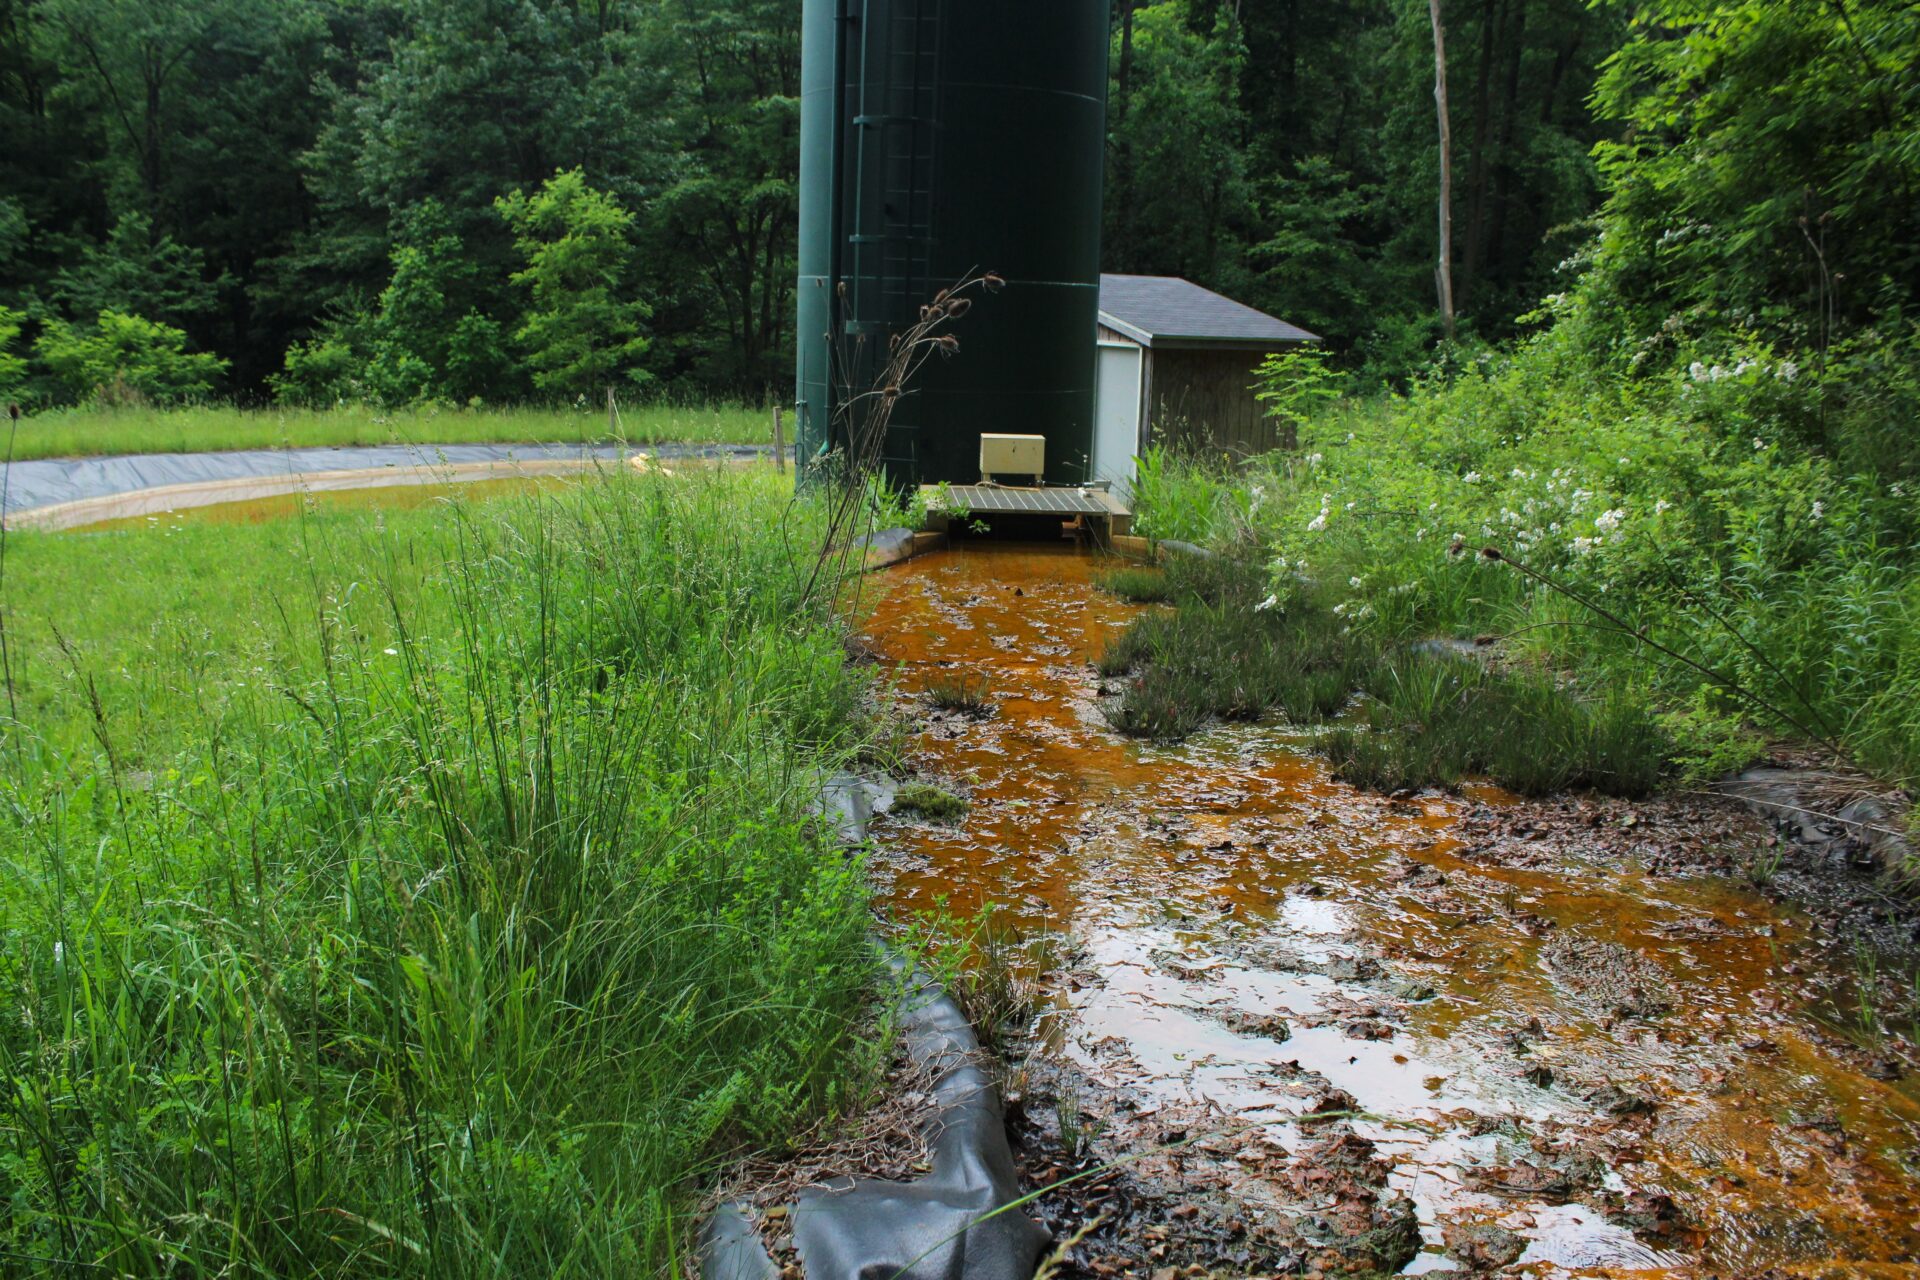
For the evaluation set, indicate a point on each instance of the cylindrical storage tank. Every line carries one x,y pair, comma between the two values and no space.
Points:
941,138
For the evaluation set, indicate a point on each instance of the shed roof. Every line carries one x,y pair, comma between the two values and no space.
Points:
1166,311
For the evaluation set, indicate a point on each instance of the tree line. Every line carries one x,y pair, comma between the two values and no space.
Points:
509,199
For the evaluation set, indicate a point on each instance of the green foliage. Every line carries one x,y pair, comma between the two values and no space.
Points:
1766,177
322,371
1177,174
434,892
580,334
1711,739
135,272
1694,511
1294,385
13,368
122,359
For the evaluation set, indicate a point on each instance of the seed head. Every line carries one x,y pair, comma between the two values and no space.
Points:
993,282
948,344
959,307
1491,553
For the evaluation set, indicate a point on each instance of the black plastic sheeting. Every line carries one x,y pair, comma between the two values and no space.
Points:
45,482
940,1227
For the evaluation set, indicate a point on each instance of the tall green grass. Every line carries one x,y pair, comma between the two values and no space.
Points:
446,901
61,433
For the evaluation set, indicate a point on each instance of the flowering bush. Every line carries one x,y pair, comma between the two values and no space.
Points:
1686,511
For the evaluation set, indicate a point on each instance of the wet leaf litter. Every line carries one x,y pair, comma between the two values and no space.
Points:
1316,1031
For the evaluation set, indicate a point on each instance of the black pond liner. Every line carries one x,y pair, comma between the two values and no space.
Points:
933,1228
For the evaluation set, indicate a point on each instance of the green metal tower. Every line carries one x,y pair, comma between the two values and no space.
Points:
938,138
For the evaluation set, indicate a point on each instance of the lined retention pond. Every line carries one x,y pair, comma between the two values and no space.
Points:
1615,1070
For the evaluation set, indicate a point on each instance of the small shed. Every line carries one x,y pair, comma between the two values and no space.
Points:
1175,367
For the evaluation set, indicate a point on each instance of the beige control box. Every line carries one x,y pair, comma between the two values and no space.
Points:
1006,455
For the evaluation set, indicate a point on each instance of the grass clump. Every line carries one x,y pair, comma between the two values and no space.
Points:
1428,717
439,895
963,691
923,800
1140,585
1431,720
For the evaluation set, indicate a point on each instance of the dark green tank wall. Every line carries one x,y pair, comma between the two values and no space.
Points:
939,138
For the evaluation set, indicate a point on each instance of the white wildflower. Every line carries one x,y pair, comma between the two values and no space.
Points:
1661,507
1356,583
1608,521
1819,510
1318,523
1787,371
1697,371
1581,546
393,653
1758,444
1472,477
1266,604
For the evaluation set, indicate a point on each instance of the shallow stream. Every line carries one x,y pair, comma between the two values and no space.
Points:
1613,1068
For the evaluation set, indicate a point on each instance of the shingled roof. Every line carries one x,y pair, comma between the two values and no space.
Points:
1166,311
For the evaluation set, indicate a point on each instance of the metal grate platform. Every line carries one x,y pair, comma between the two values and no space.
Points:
987,499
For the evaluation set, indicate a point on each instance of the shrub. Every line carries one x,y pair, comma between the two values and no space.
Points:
126,359
13,368
320,372
580,333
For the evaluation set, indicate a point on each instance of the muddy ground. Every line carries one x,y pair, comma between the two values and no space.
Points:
1314,1030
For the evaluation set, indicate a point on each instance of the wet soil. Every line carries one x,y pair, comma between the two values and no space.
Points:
1326,1031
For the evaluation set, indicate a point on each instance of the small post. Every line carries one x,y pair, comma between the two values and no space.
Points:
779,444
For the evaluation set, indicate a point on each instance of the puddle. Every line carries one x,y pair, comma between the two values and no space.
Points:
1549,1052
283,506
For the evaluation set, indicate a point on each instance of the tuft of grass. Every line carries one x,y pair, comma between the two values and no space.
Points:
923,800
420,893
965,691
1428,717
1140,585
63,433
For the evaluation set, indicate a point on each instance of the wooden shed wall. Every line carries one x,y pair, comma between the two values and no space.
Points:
1203,399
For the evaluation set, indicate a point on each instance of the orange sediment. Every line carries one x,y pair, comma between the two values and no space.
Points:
1214,891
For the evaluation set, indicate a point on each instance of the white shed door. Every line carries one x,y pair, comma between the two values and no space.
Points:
1116,415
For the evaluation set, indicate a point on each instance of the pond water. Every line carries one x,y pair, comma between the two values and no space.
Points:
397,497
1554,1052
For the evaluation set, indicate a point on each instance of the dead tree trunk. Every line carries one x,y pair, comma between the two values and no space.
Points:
1443,273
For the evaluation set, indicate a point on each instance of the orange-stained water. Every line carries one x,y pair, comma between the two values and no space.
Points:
397,497
1229,877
